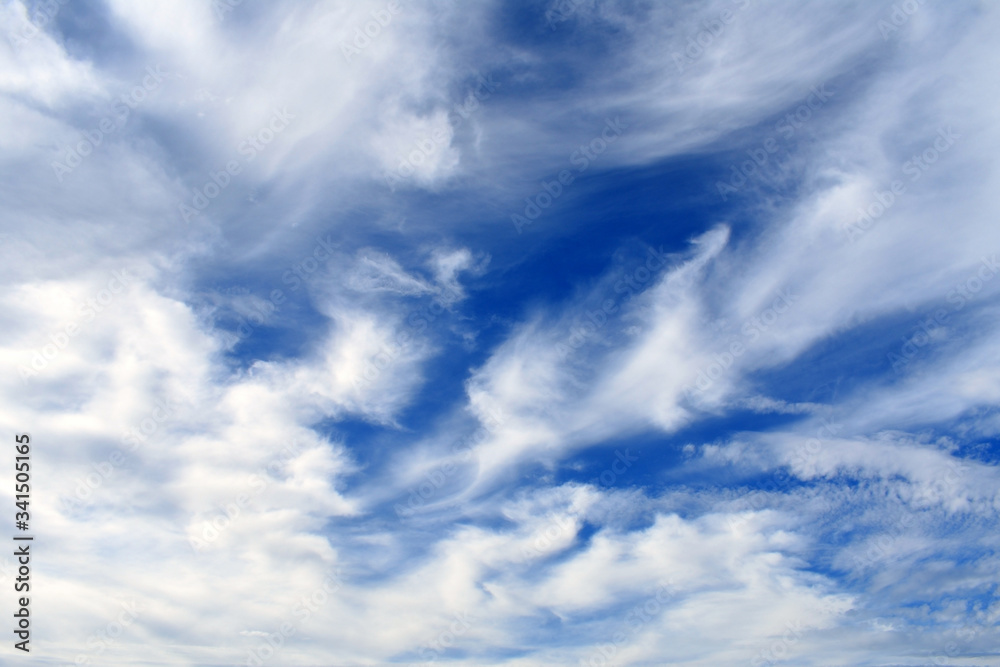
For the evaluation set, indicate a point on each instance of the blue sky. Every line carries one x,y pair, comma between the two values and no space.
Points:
505,333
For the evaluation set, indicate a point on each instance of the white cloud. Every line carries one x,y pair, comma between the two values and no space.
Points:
241,456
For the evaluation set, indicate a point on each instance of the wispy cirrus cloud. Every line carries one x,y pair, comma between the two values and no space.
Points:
659,425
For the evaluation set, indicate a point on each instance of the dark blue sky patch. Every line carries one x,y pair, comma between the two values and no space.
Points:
833,367
562,37
88,32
